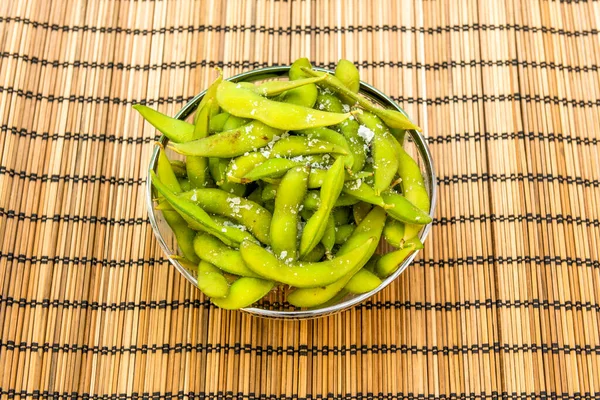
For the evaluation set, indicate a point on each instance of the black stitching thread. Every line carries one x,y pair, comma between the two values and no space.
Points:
301,29
450,262
239,348
230,395
439,221
442,180
368,305
436,66
458,137
399,99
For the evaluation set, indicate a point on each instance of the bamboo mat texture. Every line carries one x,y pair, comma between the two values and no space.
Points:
504,301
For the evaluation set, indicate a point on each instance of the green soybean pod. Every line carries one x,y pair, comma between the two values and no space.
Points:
274,88
328,239
312,200
218,170
302,274
284,224
243,293
390,262
251,215
385,161
256,195
247,104
343,233
360,210
303,96
394,232
242,165
197,218
176,130
405,211
185,185
271,168
371,227
362,282
413,188
293,146
230,143
178,168
330,136
330,191
348,74
349,128
234,122
341,215
316,254
211,280
392,118
197,166
269,192
217,122
214,251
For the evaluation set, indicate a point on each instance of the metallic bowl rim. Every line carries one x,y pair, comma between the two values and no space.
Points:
424,153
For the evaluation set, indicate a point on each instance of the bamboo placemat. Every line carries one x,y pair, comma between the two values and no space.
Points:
503,302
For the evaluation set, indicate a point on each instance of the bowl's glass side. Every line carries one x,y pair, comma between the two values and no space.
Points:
274,306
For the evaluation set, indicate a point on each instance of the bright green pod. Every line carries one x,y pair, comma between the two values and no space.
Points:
284,224
218,121
234,122
218,171
330,191
343,233
293,146
348,74
312,200
178,168
242,165
385,160
403,210
341,215
370,229
302,274
247,104
328,239
363,282
392,118
271,168
214,251
211,280
390,262
317,177
331,136
248,213
243,293
196,216
176,130
360,210
232,143
316,254
394,232
274,88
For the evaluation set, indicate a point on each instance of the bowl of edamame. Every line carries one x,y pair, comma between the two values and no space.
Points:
290,192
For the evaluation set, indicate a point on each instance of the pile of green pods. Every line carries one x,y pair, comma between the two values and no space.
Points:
289,183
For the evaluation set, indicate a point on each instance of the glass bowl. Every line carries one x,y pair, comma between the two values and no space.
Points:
273,305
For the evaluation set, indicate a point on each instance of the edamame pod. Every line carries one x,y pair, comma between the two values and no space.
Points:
248,213
372,225
293,146
362,282
303,96
232,143
218,121
274,88
362,191
392,118
330,191
341,215
343,232
413,188
218,171
247,104
242,165
328,239
317,177
214,251
331,136
315,254
176,130
243,293
385,161
394,232
348,74
360,210
211,280
403,210
390,262
178,168
234,122
301,274
196,215
271,168
284,224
